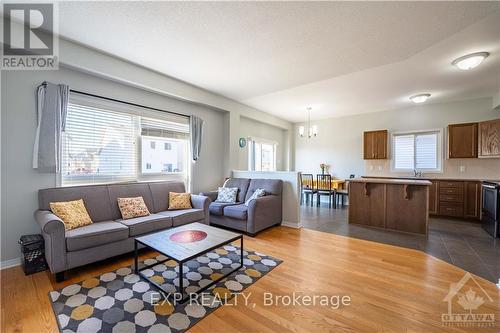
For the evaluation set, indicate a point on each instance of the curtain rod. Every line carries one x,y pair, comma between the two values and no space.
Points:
128,103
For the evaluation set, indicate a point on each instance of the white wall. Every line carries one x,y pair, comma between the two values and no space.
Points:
20,182
340,140
256,129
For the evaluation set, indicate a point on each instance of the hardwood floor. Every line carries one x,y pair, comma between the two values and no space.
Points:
392,289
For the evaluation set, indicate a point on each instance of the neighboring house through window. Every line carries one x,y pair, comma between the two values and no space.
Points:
106,142
261,155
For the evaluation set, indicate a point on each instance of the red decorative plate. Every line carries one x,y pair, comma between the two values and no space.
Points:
188,236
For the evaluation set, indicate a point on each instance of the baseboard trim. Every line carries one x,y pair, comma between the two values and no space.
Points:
10,263
291,224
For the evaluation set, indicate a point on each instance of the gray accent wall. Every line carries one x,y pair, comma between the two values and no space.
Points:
20,183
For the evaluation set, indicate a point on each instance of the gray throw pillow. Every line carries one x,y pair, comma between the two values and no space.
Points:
257,194
227,194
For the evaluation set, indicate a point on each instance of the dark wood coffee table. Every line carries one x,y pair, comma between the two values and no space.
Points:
185,243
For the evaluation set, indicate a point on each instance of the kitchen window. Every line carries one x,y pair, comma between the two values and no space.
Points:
107,142
419,151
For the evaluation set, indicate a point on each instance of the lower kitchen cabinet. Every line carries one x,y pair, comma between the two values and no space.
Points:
455,198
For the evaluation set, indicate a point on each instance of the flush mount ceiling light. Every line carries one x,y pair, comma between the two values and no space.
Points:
311,130
420,98
470,61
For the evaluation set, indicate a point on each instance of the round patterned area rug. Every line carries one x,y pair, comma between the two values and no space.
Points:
122,302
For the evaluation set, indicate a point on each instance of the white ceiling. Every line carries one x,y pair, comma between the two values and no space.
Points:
341,57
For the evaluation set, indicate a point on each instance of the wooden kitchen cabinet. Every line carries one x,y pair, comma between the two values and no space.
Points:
489,139
472,194
456,198
375,145
433,198
462,140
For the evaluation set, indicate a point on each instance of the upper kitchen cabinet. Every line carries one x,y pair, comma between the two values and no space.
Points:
462,140
489,139
375,145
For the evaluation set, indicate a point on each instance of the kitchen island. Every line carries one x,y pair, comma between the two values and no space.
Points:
393,204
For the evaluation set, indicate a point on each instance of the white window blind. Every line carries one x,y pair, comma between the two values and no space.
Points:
419,150
404,152
102,144
427,150
98,146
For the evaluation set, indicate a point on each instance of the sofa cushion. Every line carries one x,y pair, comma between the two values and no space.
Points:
95,234
145,224
217,208
271,186
72,213
241,184
179,201
160,191
132,207
95,197
227,194
237,211
184,216
128,191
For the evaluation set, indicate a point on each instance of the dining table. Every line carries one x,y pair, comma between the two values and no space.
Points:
337,184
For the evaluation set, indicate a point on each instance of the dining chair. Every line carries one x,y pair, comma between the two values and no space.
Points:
324,187
308,188
343,193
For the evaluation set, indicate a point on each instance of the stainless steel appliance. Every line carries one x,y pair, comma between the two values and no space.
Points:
490,218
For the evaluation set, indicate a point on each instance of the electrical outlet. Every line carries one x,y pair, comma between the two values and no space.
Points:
462,168
371,167
380,168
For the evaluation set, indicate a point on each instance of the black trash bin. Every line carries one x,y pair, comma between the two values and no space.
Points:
33,250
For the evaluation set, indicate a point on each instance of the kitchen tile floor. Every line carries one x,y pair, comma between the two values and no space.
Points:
463,244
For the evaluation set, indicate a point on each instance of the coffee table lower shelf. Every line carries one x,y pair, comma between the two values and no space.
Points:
180,288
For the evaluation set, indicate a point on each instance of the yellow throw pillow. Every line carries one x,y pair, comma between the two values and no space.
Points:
179,201
132,207
72,213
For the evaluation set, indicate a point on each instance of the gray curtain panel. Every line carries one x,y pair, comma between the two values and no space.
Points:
196,133
52,106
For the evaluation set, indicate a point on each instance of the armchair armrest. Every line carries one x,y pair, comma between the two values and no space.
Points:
201,202
264,212
55,239
211,194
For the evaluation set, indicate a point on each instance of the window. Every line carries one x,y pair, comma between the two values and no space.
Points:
417,151
262,155
106,142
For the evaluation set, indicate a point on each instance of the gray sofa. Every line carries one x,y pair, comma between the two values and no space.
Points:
109,235
262,213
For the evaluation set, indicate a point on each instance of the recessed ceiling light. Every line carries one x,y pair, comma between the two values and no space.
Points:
470,61
420,98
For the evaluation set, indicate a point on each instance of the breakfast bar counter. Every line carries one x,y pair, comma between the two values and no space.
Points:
393,204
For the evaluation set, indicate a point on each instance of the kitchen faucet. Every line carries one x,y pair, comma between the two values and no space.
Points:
417,173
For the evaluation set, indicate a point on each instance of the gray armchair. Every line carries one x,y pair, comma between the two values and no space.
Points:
260,214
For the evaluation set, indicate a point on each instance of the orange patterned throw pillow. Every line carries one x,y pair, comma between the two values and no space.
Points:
72,213
179,201
132,207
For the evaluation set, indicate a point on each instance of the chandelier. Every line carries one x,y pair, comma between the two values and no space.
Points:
311,130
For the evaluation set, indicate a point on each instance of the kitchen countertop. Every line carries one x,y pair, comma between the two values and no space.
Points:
432,178
396,181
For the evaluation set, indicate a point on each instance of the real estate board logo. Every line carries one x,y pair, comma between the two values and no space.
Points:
29,36
466,304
